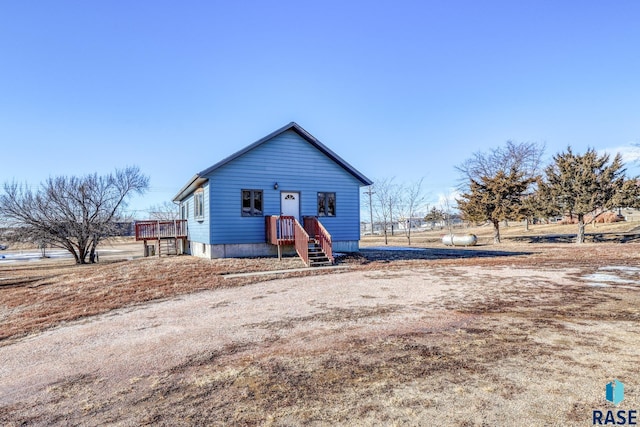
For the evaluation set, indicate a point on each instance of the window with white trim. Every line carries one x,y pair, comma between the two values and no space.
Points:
198,204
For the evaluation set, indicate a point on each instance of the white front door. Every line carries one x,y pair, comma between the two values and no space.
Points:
290,204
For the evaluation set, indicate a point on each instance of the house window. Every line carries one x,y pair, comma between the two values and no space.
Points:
198,204
326,204
251,202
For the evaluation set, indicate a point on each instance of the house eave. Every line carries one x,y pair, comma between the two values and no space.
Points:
191,186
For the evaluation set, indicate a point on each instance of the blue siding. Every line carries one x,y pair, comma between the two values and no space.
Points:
295,165
199,230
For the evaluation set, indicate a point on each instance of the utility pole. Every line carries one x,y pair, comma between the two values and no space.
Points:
370,193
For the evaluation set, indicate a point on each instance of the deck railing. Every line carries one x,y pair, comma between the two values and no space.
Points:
153,230
271,229
286,230
309,225
316,230
301,242
280,229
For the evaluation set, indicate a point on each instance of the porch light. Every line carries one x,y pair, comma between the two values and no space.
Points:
275,185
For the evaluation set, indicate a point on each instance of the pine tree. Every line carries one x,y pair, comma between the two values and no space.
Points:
496,183
583,184
495,198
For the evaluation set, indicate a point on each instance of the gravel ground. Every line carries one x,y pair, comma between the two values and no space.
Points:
402,344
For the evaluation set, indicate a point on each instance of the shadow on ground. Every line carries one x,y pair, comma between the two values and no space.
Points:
588,237
433,253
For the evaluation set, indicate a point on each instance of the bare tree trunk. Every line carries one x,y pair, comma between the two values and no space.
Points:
496,231
386,242
526,224
580,236
92,251
82,256
68,246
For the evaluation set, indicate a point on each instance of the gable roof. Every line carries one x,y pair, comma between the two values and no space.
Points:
199,178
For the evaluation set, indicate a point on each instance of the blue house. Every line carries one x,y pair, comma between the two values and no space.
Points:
286,191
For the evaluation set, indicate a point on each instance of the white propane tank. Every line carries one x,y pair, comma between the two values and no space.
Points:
459,240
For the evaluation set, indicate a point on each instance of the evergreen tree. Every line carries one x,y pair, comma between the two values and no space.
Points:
435,214
539,204
583,184
496,198
496,183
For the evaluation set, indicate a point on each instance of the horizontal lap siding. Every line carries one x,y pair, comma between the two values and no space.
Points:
295,165
199,230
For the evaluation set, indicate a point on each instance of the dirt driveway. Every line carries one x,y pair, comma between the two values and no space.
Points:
445,345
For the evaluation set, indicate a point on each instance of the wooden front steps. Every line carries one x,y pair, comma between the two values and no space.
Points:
317,257
168,247
312,241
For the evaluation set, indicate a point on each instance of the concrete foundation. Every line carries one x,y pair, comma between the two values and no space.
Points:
346,246
200,249
249,250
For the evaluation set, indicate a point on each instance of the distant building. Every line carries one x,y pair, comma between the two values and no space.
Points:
415,223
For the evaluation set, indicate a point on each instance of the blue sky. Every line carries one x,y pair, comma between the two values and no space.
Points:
404,88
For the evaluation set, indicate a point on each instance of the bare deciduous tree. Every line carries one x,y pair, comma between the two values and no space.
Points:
446,204
165,211
395,203
413,199
522,157
72,213
385,198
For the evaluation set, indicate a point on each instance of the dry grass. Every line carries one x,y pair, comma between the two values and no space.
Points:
35,297
495,348
516,357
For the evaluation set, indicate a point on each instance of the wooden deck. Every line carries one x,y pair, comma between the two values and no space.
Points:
168,237
156,230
